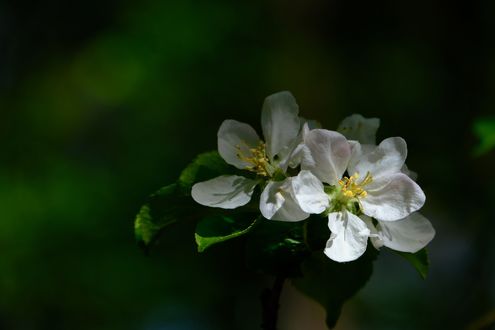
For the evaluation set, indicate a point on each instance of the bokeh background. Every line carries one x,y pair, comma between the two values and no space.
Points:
103,102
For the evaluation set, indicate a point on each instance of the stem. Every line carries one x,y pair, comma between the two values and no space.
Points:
270,304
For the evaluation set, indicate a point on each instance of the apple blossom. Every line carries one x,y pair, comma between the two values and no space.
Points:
239,145
374,188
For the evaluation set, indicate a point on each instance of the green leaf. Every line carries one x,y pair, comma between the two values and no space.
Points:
144,228
220,228
173,202
419,260
277,248
206,166
164,207
331,283
484,129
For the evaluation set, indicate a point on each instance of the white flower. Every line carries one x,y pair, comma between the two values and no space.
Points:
384,193
300,150
239,145
375,188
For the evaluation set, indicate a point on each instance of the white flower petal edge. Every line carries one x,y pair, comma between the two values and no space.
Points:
234,136
374,236
309,193
407,235
226,191
385,159
280,122
299,151
359,128
413,175
329,155
277,202
349,237
393,199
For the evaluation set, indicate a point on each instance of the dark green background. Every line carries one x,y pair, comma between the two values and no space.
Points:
103,102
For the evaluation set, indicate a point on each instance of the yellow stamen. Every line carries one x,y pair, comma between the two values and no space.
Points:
257,159
350,187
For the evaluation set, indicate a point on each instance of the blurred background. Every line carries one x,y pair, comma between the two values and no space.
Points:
103,102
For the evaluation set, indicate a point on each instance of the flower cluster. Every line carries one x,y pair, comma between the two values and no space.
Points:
365,190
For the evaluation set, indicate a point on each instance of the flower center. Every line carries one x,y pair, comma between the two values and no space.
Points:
257,159
347,194
350,188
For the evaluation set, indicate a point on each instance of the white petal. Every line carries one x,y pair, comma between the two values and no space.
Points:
300,150
280,122
309,193
330,152
356,127
277,202
309,124
235,137
408,235
226,191
396,198
385,159
296,157
413,175
349,237
375,237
